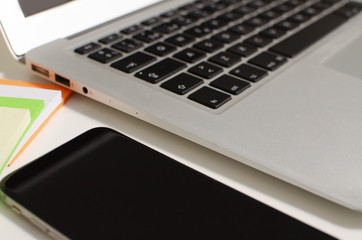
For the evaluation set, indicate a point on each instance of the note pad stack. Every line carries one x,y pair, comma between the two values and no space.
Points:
39,100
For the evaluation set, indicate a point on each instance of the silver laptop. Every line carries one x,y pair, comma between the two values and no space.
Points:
276,85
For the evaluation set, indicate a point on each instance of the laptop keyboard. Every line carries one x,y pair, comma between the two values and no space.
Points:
212,51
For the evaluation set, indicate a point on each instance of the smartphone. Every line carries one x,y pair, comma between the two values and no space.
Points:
104,185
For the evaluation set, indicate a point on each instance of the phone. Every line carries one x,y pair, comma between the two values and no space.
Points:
104,185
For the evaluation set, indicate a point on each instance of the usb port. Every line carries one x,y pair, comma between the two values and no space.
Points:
40,70
62,80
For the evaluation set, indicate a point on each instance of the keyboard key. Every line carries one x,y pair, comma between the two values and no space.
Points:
90,47
152,21
310,11
243,49
273,32
256,21
268,61
198,14
230,84
170,14
299,18
293,45
180,40
110,38
225,59
210,97
259,40
270,14
160,70
215,23
184,20
249,73
230,16
127,45
190,55
258,3
132,29
205,70
148,36
168,28
226,37
286,25
282,8
160,49
199,31
244,10
241,29
105,55
182,84
133,62
209,45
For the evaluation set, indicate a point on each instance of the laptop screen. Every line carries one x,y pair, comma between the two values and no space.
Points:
31,7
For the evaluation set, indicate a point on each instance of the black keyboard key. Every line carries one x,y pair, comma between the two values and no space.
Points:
310,11
170,14
230,84
127,45
243,10
226,37
286,25
167,27
210,97
299,18
209,45
293,45
148,36
199,31
180,40
249,73
105,55
230,16
258,3
190,55
225,59
270,14
282,8
90,47
160,70
182,84
184,20
132,29
215,23
294,3
152,21
322,5
205,70
268,61
273,32
243,49
215,7
110,38
256,21
241,29
160,49
198,14
133,62
259,40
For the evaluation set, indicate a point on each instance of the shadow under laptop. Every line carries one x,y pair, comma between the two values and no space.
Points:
293,201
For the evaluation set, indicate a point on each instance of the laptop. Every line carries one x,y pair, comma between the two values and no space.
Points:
276,85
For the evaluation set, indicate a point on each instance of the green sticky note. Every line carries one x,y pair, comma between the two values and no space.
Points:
35,107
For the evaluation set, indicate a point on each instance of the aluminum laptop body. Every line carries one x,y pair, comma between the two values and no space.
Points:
301,123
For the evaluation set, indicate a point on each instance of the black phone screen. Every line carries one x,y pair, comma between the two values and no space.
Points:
104,185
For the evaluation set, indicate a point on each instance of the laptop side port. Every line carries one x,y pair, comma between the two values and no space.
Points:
42,71
62,80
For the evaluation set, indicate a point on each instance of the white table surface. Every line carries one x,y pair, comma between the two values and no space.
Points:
80,114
